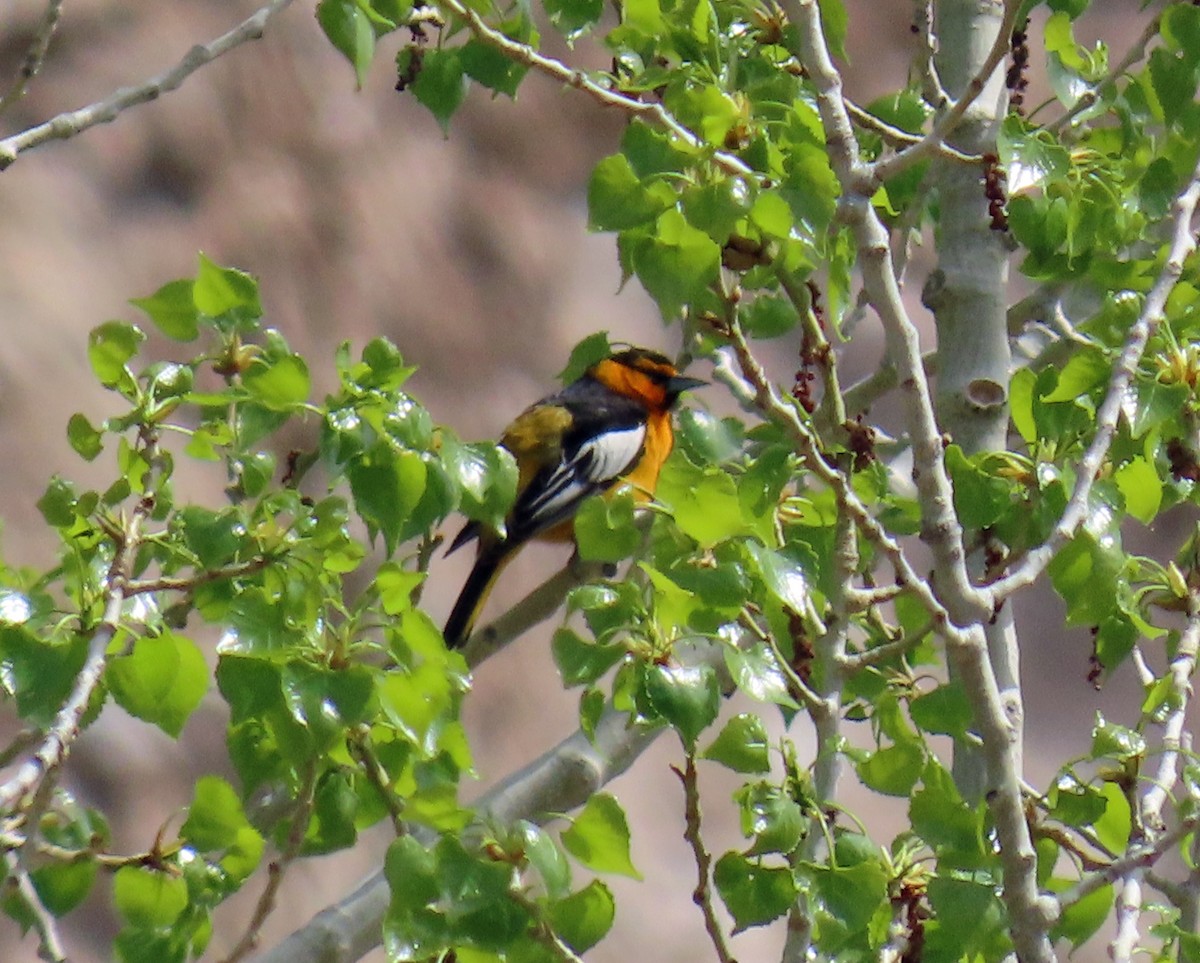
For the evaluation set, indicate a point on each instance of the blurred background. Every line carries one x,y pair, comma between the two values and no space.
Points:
360,218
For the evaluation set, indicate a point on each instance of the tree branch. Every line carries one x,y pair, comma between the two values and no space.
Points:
654,112
57,742
34,56
1183,242
71,123
945,125
559,781
942,531
536,607
50,946
1090,96
268,899
702,896
752,388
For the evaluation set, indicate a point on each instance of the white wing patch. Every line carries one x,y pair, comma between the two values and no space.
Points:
612,453
598,462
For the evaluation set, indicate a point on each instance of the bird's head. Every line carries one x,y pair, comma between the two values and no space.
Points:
646,375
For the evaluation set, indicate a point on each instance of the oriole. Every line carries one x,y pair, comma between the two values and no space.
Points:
612,425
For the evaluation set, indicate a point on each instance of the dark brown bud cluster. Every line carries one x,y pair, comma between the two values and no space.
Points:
1015,79
994,187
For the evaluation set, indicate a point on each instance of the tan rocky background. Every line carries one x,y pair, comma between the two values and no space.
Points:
359,218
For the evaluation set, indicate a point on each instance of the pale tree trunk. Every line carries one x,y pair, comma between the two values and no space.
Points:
968,294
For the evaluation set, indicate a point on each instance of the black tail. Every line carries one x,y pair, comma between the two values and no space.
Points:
472,597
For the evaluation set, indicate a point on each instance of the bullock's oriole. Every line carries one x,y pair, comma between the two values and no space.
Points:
612,425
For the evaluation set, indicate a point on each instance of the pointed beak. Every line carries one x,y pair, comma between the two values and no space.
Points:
680,383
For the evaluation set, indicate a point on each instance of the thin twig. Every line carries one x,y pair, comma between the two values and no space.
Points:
702,895
1093,94
752,386
71,123
1031,913
34,56
1183,242
925,63
61,735
277,867
883,653
942,530
50,946
945,125
1138,857
895,137
606,96
185,583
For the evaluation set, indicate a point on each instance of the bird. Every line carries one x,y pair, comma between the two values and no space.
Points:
610,427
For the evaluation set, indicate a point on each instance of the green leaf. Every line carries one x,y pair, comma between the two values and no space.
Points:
703,501
222,291
349,29
599,837
545,855
707,437
215,816
1174,78
591,708
573,17
892,770
753,893
1181,29
676,263
38,672
161,681
772,817
487,480
441,86
980,498
617,199
688,697
645,16
945,710
1142,489
110,346
835,23
1112,741
84,438
653,151
147,898
742,745
591,350
938,814
851,895
279,385
58,502
583,918
783,577
1113,827
488,66
216,823
213,537
581,662
396,587
605,530
957,900
172,310
756,672
769,316
1085,369
1086,575
1079,921
387,486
